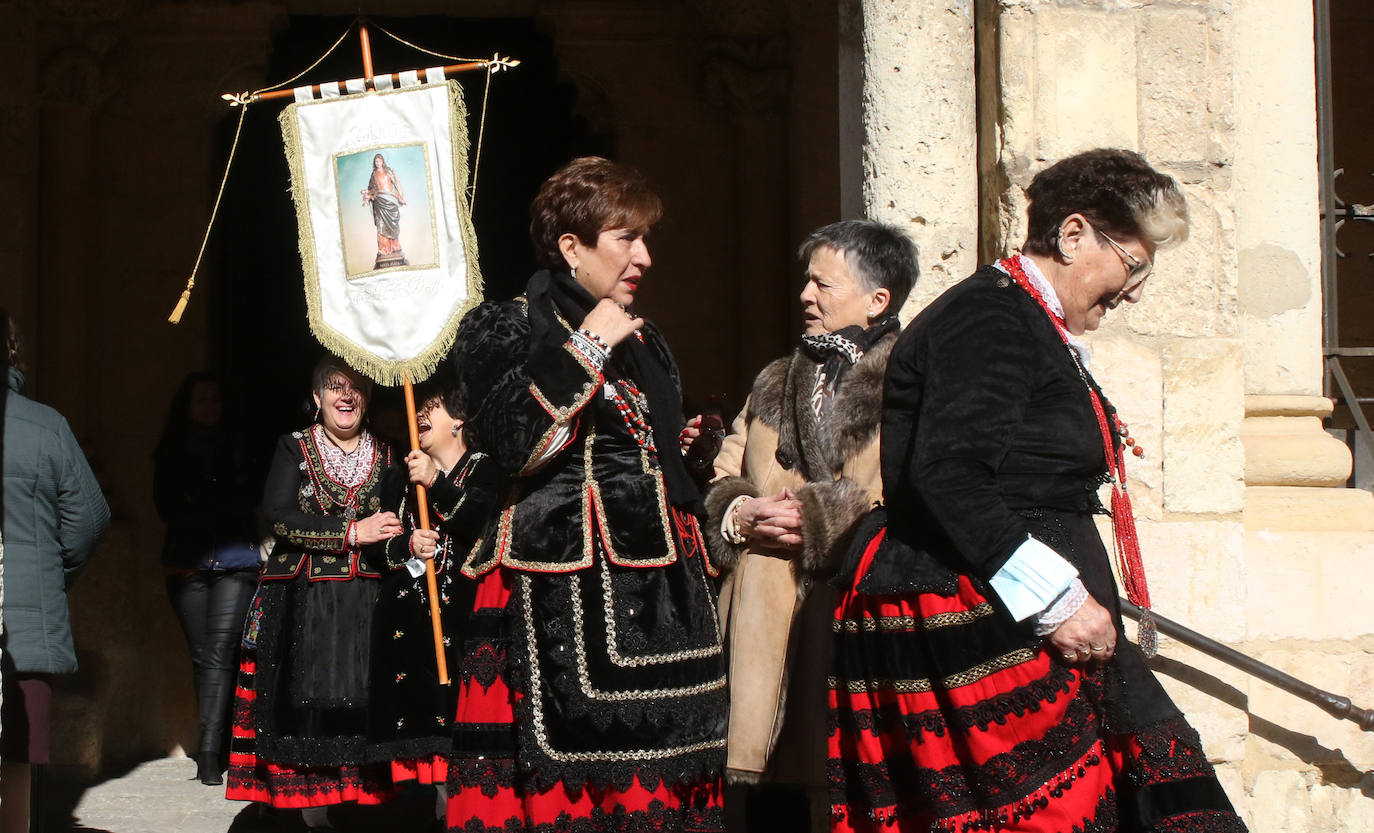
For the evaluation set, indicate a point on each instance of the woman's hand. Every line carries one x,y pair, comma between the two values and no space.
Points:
423,542
611,322
773,521
378,527
423,471
690,433
1087,636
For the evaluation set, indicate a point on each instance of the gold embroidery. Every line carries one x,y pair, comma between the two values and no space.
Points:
537,712
659,493
963,678
873,624
612,640
584,676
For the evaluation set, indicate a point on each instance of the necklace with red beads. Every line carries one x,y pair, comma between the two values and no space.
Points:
632,414
1125,539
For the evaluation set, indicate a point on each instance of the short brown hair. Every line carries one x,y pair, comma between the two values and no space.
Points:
585,197
1116,190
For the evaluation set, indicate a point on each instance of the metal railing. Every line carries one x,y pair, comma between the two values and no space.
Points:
1333,704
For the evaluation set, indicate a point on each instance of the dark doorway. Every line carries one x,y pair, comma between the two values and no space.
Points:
1346,130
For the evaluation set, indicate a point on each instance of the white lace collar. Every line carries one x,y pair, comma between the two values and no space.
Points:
1046,290
347,468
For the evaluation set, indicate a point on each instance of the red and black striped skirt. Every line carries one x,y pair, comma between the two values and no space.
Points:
945,716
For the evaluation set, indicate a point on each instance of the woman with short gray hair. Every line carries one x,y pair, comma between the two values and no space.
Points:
799,467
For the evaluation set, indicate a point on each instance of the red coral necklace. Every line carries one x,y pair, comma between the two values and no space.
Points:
1125,539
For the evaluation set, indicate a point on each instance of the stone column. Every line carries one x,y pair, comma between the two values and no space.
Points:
1295,471
920,137
1307,543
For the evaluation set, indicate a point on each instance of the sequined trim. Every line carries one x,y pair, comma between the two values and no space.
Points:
873,624
537,707
589,389
963,678
612,640
598,505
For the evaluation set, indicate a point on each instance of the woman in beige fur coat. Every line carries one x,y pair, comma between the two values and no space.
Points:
799,467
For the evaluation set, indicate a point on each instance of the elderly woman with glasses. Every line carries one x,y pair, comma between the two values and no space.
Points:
301,709
980,678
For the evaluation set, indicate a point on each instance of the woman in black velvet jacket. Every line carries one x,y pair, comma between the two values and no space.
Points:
980,681
593,681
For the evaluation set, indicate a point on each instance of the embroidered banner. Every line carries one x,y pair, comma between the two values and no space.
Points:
386,238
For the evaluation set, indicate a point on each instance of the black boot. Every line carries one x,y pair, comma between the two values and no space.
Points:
208,769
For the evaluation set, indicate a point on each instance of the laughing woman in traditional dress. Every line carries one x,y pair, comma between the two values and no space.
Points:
980,679
410,715
593,682
300,712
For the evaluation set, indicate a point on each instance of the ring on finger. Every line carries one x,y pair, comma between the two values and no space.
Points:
1098,649
1068,656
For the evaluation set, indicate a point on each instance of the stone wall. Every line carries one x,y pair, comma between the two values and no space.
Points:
1247,533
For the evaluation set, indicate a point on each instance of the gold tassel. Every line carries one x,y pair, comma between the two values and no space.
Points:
175,317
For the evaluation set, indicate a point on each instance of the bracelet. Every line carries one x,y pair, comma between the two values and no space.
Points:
729,527
593,346
596,339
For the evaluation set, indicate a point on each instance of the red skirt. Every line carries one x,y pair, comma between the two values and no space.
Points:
487,796
944,716
282,785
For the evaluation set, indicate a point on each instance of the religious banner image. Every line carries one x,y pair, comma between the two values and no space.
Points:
387,246
390,226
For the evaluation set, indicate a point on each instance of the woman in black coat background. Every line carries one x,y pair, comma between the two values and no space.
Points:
206,496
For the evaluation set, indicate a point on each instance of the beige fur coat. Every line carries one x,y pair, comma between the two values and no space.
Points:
775,606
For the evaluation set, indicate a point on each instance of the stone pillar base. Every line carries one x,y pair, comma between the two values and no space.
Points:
1295,472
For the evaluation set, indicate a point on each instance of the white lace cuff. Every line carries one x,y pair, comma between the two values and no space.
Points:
1032,579
1065,606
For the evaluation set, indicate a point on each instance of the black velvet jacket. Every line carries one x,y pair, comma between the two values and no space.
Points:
545,417
410,715
985,420
310,513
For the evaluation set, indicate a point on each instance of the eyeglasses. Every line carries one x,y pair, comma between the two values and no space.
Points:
342,389
1137,270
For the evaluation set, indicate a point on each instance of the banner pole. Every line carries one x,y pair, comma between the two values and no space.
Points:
422,502
367,54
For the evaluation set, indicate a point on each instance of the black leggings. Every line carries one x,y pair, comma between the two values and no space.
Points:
211,606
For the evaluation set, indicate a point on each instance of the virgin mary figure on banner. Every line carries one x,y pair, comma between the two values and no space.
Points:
385,194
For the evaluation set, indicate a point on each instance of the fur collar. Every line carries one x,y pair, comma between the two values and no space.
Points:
819,448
